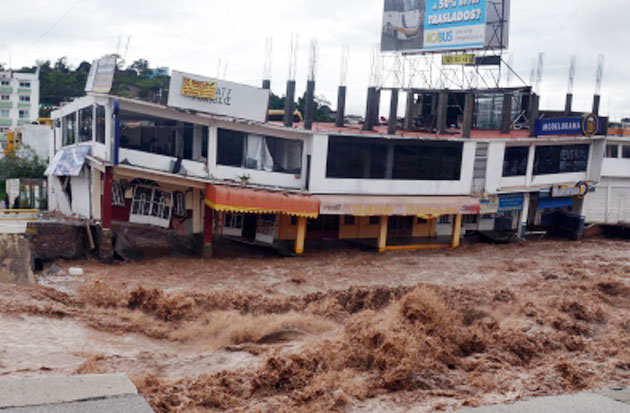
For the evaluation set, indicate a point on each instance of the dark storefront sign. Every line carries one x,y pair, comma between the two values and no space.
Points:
513,202
547,202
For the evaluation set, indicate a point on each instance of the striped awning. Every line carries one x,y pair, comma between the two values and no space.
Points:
420,206
260,201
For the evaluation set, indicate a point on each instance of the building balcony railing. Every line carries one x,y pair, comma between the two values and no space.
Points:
7,90
5,122
6,105
24,90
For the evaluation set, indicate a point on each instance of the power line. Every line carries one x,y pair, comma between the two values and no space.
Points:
52,27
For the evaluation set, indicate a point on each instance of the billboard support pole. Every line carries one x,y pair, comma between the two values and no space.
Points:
469,108
441,111
506,113
289,104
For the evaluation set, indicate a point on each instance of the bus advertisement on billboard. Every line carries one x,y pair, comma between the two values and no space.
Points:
444,25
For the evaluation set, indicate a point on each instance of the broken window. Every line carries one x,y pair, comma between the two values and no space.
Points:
179,206
85,124
69,129
263,153
356,158
515,161
100,124
151,205
118,195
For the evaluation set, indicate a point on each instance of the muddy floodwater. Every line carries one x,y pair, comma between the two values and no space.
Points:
346,331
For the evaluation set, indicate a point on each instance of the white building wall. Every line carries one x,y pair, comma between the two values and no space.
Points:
13,86
81,193
38,138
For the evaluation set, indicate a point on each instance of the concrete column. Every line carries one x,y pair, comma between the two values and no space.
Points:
106,209
533,114
369,109
382,234
208,232
469,108
389,162
522,223
309,105
289,104
301,235
409,111
441,112
596,99
197,210
529,173
97,193
568,104
506,113
341,107
393,113
457,231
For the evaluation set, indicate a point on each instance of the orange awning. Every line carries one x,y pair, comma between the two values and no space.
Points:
259,201
421,206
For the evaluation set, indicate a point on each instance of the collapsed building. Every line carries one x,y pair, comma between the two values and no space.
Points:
209,166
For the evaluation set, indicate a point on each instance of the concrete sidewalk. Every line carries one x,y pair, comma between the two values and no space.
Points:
605,401
92,393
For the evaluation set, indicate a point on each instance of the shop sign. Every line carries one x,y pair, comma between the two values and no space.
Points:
512,202
564,191
587,125
458,59
489,206
217,96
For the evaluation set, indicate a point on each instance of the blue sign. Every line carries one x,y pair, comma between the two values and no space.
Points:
583,126
513,202
547,202
454,24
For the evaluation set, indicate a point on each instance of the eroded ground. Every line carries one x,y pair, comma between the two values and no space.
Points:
335,331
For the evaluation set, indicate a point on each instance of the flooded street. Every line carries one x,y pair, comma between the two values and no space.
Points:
335,330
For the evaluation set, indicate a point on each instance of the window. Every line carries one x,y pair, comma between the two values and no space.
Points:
440,161
422,220
118,195
365,158
445,219
69,129
375,220
24,114
25,84
355,158
293,220
4,113
469,219
561,159
204,142
100,124
348,220
230,148
234,221
515,161
5,97
85,124
179,206
263,153
151,205
25,98
612,151
5,83
625,152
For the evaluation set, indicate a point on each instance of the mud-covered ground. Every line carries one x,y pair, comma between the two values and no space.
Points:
335,330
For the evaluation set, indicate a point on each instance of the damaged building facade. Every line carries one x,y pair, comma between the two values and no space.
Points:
193,173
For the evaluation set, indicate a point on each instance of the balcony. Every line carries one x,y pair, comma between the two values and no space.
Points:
8,90
6,105
24,90
5,122
23,105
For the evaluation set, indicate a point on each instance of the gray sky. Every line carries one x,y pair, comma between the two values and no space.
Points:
192,35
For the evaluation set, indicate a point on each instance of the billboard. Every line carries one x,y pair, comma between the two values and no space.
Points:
219,97
101,75
419,26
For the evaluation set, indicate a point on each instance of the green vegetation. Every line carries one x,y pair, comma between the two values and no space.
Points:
22,164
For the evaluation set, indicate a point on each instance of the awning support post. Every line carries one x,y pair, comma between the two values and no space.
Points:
301,235
457,230
382,234
106,209
522,222
208,232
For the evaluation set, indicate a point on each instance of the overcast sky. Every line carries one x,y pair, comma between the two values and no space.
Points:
192,35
